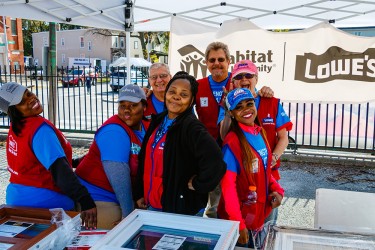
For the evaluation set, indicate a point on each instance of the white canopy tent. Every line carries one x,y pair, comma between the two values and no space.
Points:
150,15
136,62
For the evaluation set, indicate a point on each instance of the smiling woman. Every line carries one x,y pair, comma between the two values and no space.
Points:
180,162
39,158
248,158
108,170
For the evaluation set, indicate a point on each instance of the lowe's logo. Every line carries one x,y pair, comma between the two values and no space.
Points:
336,63
267,120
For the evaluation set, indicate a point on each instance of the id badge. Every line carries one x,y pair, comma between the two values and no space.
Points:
204,101
255,165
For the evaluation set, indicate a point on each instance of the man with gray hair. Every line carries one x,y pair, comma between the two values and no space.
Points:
159,76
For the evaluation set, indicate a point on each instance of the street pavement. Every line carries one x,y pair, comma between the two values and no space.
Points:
301,175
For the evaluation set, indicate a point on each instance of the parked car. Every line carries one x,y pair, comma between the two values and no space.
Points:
118,79
76,77
36,73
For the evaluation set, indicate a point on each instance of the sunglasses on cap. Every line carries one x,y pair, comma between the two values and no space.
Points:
213,60
240,76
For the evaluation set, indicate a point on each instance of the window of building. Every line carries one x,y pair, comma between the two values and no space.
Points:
89,46
16,65
13,24
115,42
122,42
82,42
135,44
45,41
62,41
62,58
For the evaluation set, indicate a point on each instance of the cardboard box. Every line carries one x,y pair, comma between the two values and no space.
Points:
28,228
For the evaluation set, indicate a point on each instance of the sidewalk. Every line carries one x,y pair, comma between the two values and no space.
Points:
301,155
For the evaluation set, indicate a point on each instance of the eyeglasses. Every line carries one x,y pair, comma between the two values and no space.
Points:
213,60
240,76
161,76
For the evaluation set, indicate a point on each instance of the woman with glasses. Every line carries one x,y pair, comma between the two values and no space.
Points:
271,114
110,167
248,158
179,162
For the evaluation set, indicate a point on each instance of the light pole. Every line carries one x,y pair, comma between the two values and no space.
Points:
129,27
52,73
6,43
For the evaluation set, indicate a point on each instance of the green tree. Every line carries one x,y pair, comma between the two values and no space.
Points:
29,27
281,30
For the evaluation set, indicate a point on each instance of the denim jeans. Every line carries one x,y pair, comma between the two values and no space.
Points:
256,238
249,244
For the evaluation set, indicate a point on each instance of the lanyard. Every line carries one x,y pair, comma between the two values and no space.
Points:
162,130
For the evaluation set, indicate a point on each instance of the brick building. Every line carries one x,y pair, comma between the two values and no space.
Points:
11,44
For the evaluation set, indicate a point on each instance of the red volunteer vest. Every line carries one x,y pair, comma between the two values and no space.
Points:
91,169
150,109
267,112
259,211
24,167
207,107
153,172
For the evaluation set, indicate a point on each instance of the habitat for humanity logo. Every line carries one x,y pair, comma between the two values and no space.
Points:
193,60
336,63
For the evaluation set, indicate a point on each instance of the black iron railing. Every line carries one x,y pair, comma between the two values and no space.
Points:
79,109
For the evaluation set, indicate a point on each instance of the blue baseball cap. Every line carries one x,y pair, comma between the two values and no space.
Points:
131,93
235,96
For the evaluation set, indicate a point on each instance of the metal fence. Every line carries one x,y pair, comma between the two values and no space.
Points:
349,127
333,126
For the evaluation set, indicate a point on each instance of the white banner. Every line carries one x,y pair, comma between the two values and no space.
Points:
318,64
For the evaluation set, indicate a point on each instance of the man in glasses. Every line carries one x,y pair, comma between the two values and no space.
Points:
159,76
208,99
210,88
271,116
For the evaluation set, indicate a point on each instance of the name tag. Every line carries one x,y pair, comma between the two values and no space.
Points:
204,101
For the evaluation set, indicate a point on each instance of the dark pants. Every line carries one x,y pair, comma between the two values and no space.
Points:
88,86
